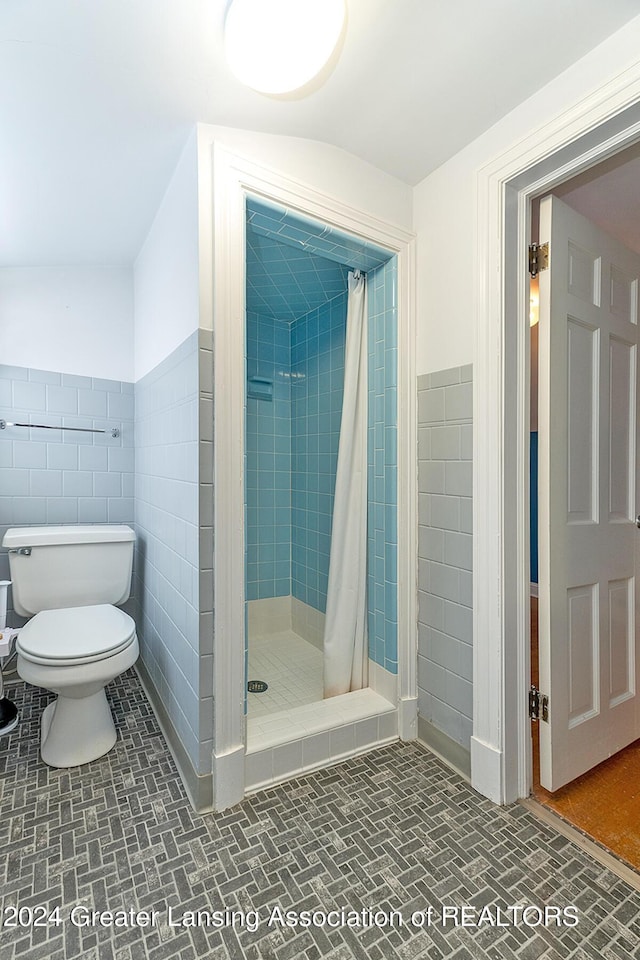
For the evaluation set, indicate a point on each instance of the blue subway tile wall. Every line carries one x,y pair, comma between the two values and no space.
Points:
168,450
445,651
317,383
55,476
295,377
382,580
268,458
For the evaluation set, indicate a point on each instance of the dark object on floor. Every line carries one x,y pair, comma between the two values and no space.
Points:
8,711
257,686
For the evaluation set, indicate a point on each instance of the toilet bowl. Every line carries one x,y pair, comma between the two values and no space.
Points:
75,652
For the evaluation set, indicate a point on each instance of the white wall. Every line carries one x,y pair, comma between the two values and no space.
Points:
73,319
445,204
322,166
166,269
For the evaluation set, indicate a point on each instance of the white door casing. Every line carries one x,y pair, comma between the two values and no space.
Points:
593,128
232,178
588,432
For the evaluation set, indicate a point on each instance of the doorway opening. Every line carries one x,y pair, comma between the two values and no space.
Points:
604,801
597,127
239,764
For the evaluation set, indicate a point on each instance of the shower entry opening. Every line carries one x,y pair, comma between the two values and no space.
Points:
321,506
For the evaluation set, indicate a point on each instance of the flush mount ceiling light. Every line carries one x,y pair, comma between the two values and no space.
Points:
277,46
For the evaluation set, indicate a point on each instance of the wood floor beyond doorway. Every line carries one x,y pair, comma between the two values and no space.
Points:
605,802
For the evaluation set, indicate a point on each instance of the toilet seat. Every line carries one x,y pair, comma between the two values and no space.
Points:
75,635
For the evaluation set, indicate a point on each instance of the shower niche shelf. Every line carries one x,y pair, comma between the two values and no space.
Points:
259,388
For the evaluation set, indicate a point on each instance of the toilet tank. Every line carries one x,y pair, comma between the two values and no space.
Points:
70,566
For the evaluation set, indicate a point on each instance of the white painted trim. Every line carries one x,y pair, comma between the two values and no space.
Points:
596,127
234,177
407,483
228,773
486,765
228,358
408,718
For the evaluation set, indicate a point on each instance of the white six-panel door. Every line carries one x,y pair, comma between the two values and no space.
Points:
588,538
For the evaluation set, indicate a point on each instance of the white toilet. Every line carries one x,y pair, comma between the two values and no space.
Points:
77,642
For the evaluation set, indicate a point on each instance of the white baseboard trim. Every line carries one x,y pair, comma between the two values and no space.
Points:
408,718
486,770
228,779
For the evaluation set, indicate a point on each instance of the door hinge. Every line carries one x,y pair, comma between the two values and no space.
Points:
538,704
538,258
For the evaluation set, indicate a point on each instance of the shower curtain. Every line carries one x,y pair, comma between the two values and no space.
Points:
345,632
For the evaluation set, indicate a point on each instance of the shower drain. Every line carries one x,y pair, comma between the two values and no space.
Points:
257,686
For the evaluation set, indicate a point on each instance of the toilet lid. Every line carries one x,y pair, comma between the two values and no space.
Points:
75,635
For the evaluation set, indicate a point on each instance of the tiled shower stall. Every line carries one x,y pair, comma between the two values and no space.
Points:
295,342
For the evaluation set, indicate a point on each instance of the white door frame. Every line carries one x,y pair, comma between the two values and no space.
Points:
234,177
597,127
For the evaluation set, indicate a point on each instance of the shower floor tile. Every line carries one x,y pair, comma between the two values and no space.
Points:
292,668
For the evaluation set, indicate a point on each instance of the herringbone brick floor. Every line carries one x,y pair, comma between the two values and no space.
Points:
394,831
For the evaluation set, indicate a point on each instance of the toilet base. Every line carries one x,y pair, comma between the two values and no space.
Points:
76,731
